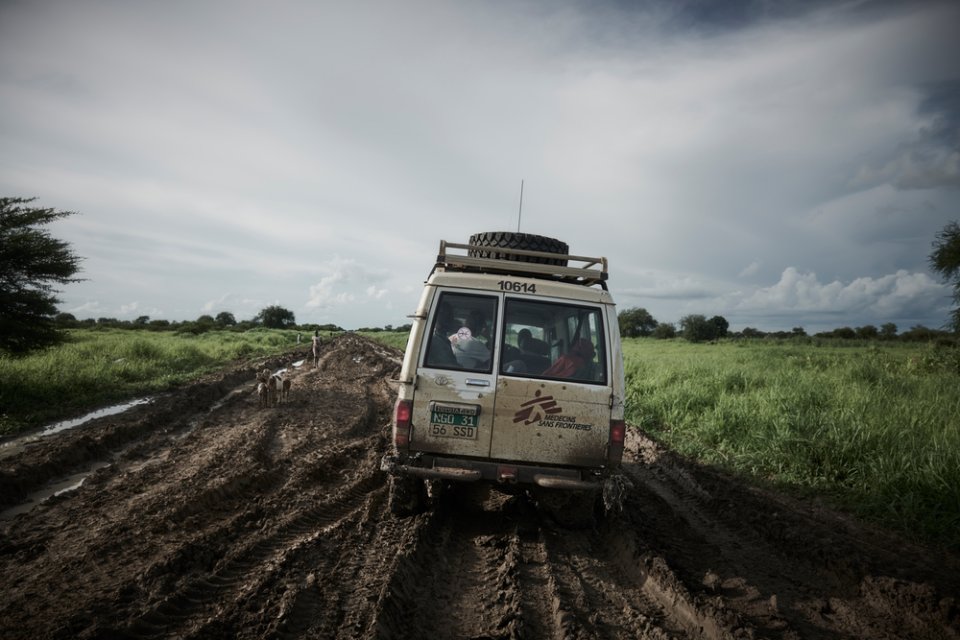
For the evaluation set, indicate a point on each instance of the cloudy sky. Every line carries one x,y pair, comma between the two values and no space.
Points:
778,163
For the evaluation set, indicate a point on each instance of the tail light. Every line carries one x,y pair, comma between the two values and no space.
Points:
618,433
401,424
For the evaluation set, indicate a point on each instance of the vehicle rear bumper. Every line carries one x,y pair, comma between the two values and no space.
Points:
465,470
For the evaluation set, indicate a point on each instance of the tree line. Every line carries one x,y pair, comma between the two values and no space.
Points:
272,317
638,322
33,263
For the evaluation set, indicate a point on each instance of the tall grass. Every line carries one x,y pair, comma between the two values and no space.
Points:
874,428
395,339
97,367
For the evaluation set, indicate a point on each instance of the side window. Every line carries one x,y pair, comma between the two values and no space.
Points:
553,340
461,334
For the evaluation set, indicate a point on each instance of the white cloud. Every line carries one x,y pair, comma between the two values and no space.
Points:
891,295
97,308
237,304
375,293
344,276
750,269
90,308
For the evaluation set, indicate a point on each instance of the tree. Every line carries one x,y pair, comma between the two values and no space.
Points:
664,331
888,331
919,333
225,319
696,328
201,325
636,322
846,333
275,317
721,324
65,320
945,260
31,263
867,332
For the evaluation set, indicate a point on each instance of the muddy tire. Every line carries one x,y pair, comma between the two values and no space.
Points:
524,241
408,496
570,509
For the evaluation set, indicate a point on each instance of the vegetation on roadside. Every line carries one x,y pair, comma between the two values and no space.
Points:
98,367
396,338
875,427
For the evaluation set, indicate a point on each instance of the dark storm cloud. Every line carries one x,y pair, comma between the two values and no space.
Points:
714,17
936,153
719,15
931,157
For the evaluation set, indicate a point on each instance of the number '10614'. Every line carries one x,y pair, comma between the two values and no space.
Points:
519,287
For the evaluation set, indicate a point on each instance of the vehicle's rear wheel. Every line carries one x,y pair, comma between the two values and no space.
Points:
408,496
524,241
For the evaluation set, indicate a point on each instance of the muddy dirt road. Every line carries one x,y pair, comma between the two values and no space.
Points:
218,519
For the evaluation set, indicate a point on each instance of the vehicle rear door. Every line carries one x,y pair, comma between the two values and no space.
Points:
553,395
453,407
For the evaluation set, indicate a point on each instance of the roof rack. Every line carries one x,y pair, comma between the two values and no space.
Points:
480,259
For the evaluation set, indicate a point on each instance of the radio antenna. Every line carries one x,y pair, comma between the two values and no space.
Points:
520,213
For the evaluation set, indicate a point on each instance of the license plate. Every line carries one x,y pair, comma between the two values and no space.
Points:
453,425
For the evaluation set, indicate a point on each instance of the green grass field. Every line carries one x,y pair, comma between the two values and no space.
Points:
874,427
395,339
98,367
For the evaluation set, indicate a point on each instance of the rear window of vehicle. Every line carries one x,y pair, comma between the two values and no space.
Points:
461,334
554,341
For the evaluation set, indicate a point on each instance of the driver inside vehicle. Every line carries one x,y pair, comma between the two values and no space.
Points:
529,344
441,352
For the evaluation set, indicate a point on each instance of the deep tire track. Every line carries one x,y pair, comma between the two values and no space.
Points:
171,614
459,576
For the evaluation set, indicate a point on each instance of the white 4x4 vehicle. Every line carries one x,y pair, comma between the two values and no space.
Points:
512,375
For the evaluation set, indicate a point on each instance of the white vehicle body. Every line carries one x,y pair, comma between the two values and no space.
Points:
534,391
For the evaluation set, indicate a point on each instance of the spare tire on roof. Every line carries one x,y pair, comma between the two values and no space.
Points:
524,241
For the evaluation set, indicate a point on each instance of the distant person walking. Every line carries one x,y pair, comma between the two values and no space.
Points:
316,348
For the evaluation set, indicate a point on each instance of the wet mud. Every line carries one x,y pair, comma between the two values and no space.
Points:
202,515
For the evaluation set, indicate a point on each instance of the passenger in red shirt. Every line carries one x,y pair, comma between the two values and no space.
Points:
573,363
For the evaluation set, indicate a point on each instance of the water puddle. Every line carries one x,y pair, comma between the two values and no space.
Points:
19,443
75,481
52,490
99,413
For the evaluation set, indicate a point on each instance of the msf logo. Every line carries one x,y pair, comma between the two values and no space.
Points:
537,409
